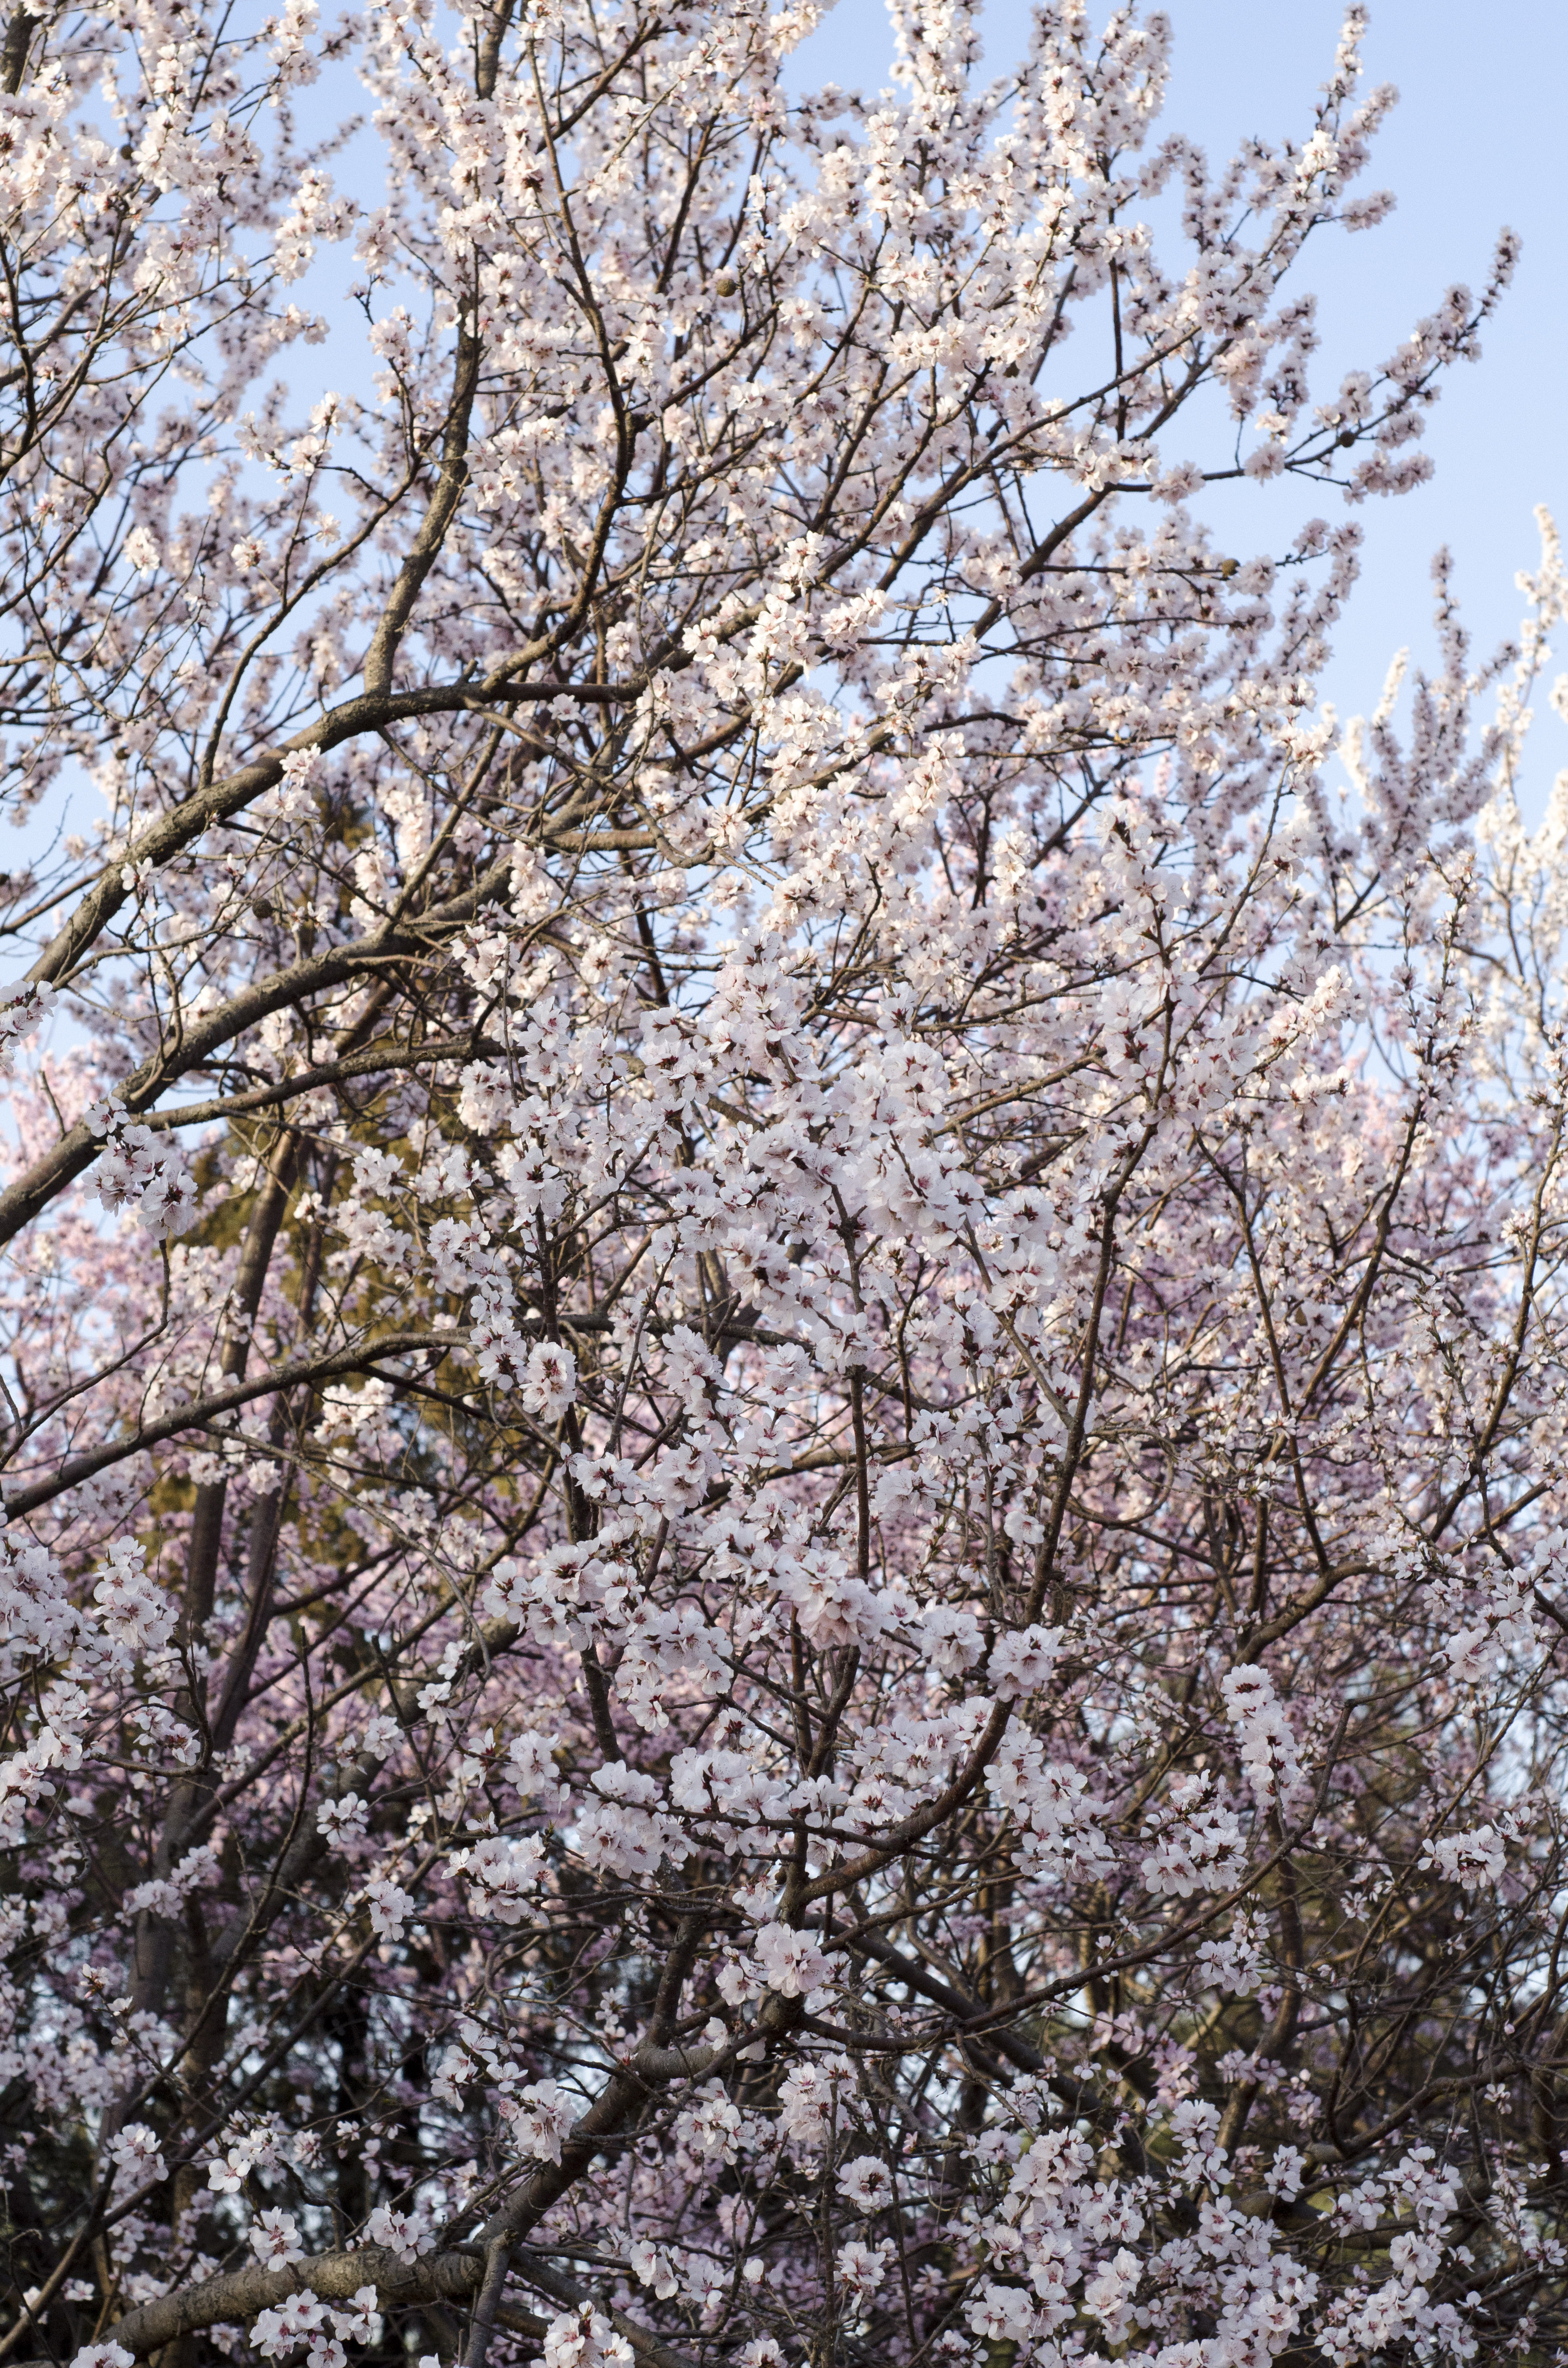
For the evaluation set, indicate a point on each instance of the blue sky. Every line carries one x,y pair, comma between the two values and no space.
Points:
1476,143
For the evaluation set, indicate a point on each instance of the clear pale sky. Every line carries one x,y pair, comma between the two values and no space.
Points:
1478,141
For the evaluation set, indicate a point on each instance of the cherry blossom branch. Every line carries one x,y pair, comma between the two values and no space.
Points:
199,1413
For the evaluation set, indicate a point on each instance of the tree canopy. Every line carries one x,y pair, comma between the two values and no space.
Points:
780,1328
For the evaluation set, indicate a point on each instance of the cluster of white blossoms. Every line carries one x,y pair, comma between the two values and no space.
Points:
783,1373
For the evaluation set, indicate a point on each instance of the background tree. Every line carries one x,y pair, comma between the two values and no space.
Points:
782,1347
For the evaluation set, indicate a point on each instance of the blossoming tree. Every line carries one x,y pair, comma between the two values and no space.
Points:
784,1386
